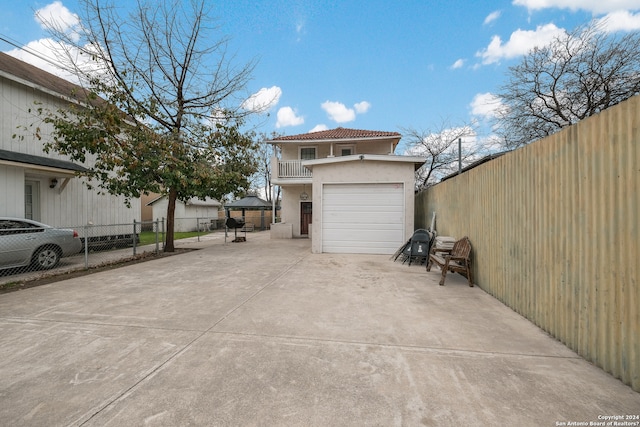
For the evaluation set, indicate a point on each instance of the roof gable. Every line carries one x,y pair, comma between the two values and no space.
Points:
39,77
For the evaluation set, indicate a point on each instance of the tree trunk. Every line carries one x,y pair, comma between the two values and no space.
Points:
171,213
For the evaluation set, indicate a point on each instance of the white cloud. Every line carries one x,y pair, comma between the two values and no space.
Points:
288,117
300,30
594,6
58,17
493,16
338,112
362,107
458,64
447,137
485,105
318,128
520,42
621,20
263,100
42,54
55,57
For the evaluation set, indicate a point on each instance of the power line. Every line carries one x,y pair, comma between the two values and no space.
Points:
30,51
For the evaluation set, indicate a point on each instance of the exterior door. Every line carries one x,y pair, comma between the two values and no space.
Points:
305,217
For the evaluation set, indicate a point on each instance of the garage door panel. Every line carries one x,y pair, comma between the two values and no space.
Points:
361,188
394,228
366,216
365,208
353,248
362,218
363,234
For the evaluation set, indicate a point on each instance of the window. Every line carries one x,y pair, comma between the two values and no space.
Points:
346,150
307,153
32,200
17,227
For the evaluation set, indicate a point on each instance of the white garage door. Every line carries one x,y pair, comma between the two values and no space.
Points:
362,218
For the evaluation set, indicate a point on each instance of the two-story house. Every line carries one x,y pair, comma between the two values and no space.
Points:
39,185
346,190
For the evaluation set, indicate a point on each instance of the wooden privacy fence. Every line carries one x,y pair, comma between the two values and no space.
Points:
555,229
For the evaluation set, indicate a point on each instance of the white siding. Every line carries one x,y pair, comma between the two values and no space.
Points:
74,205
187,217
11,189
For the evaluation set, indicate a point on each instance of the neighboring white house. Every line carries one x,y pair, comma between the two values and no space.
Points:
346,190
38,185
190,216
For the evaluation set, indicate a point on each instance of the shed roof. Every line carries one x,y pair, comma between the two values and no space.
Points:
249,202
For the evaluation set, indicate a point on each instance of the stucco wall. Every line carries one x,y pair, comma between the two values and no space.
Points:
291,151
290,209
356,172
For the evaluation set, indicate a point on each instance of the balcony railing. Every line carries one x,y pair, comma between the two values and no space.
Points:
292,169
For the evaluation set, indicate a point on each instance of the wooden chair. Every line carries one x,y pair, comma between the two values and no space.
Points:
458,259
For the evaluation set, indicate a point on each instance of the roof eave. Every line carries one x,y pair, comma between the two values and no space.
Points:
416,160
335,140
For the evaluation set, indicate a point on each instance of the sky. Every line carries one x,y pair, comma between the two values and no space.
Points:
375,65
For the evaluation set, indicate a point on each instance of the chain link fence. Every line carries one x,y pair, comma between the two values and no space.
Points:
31,251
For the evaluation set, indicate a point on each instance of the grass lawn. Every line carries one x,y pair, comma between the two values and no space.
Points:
149,237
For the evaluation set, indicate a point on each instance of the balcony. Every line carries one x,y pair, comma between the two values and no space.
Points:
290,171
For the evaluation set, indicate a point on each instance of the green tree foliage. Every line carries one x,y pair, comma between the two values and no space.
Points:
129,158
160,112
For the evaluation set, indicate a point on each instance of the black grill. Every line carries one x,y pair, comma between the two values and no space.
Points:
235,222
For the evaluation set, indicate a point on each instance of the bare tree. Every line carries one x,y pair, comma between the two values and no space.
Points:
440,147
577,75
262,178
179,91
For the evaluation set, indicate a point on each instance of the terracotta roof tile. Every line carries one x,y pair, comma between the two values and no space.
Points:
338,133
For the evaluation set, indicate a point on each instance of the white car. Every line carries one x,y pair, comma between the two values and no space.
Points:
27,243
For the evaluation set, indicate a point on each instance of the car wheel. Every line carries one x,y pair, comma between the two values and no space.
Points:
46,258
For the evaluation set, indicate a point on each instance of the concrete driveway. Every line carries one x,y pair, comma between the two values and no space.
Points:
264,333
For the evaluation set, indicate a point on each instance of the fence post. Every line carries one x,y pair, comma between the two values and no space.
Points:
157,227
163,238
134,237
86,247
